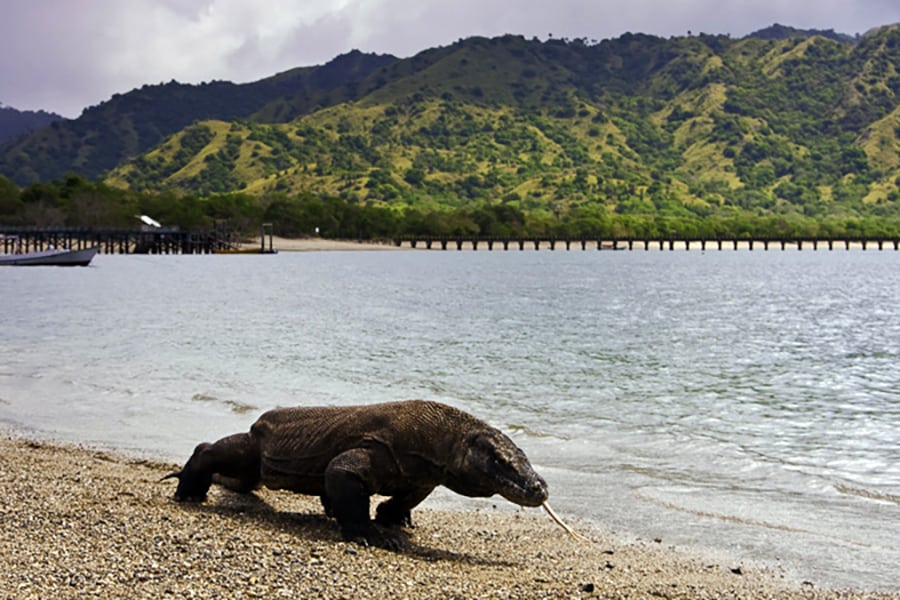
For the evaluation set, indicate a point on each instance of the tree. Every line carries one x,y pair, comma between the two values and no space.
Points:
11,206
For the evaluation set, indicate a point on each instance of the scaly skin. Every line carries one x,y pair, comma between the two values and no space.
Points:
346,454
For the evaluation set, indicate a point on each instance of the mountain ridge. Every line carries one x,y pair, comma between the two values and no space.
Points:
127,124
705,121
787,118
15,122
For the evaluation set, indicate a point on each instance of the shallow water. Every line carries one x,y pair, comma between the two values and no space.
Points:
745,403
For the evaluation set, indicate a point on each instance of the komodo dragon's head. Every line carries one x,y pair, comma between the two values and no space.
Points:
492,464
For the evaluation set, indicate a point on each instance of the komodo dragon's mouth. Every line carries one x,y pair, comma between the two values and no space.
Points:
532,493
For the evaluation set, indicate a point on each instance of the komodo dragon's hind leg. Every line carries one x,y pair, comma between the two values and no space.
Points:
232,461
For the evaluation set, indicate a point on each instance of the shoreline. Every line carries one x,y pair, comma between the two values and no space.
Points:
79,522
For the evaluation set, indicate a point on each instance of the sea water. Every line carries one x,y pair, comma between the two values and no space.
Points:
741,403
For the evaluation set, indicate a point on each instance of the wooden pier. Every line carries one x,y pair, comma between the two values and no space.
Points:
173,241
154,241
461,243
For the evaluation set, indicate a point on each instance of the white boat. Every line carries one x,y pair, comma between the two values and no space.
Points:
52,257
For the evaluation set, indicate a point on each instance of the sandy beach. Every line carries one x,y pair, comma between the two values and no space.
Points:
80,523
316,244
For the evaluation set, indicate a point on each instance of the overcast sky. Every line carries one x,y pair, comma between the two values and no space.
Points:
65,55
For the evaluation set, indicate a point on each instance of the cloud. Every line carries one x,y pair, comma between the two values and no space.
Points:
63,56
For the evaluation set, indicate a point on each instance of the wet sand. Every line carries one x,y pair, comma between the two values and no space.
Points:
81,523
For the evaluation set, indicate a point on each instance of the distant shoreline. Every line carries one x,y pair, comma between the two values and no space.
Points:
80,522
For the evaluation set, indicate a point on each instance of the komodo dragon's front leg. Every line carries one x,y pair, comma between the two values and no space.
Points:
349,483
397,511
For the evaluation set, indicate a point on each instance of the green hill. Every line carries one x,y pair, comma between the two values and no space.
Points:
780,123
129,124
698,125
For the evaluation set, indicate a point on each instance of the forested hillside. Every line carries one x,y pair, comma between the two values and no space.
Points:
128,124
801,126
634,122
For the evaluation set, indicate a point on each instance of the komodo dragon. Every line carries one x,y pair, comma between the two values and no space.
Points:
346,454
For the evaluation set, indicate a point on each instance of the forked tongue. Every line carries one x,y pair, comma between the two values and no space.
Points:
562,524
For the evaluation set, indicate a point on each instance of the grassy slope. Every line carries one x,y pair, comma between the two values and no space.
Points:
617,123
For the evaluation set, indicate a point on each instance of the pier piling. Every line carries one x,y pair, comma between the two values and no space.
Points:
666,243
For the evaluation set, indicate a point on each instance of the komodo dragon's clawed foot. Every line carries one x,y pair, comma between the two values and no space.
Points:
389,516
388,539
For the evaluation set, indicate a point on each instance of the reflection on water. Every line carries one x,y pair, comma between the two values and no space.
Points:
739,401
